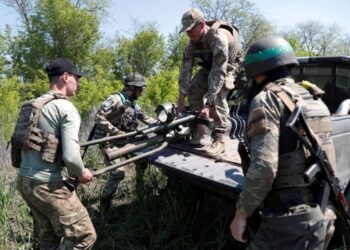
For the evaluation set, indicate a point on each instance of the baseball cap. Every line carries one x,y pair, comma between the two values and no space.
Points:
190,19
60,65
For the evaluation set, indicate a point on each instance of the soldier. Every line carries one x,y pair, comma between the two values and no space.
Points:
62,220
117,115
274,185
216,44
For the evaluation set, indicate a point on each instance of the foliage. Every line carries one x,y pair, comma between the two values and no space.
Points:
297,47
161,88
15,221
49,34
2,54
9,106
142,53
91,93
175,47
311,38
102,60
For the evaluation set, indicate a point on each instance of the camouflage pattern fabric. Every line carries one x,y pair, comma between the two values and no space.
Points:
264,128
198,89
62,220
306,222
221,66
116,116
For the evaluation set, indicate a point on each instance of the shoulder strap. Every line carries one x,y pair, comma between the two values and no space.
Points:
286,99
122,97
289,103
40,102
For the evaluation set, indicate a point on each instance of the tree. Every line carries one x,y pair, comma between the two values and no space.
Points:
54,28
297,47
176,44
343,45
314,38
9,106
327,40
142,53
3,50
161,88
102,61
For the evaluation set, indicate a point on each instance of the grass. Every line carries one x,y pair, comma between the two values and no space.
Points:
163,215
158,213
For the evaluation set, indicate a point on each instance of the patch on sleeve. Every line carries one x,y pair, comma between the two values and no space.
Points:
107,105
256,122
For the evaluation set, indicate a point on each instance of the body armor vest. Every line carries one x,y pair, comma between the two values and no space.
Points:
125,119
204,52
27,135
293,158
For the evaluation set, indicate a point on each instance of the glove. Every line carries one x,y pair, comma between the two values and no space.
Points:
116,131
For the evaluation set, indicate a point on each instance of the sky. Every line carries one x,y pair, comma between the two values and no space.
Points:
167,14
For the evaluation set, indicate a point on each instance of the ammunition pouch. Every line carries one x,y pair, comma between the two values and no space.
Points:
279,201
301,226
50,148
291,168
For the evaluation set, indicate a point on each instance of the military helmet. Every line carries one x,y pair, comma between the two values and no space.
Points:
268,54
135,79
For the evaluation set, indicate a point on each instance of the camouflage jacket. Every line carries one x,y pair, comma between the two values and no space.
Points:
220,53
118,114
265,132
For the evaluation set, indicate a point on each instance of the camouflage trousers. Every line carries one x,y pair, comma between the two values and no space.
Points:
305,228
115,177
61,219
198,90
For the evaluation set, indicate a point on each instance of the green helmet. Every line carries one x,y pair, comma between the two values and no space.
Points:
135,79
268,54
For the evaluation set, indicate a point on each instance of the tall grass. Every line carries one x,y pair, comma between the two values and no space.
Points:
15,220
161,217
161,213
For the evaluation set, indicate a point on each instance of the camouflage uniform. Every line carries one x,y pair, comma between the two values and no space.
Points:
263,182
117,115
221,61
275,185
62,220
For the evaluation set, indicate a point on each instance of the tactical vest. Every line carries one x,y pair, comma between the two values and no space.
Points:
205,54
128,120
27,135
293,158
125,119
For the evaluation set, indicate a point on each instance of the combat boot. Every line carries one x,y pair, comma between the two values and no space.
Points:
110,187
197,136
218,145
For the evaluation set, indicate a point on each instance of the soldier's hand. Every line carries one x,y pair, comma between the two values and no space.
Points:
205,112
238,226
117,132
86,176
